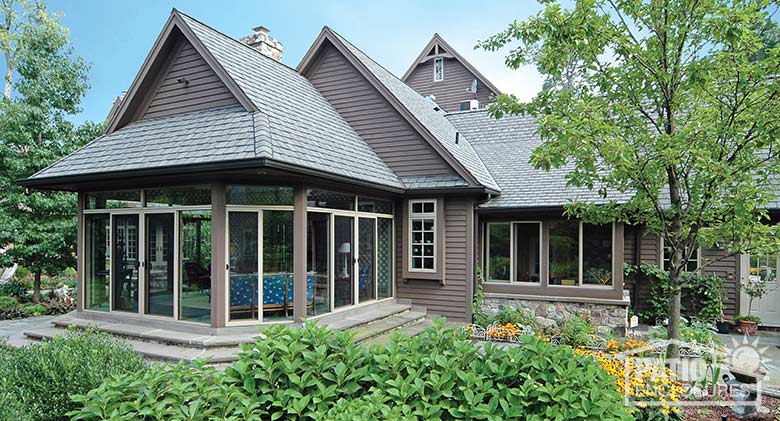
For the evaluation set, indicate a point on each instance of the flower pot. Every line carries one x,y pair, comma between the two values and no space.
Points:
747,327
723,327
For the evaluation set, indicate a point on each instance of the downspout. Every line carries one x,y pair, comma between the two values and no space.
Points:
475,250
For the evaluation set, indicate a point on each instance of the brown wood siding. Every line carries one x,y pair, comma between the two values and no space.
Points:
205,89
448,298
373,118
723,265
450,91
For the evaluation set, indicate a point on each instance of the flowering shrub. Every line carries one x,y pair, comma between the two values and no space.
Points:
644,381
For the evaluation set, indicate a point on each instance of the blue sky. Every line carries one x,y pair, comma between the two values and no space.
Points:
115,36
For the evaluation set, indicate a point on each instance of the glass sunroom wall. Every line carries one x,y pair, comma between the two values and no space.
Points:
318,259
195,265
278,280
97,261
243,259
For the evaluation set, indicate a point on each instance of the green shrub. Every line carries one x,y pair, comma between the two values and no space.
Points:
34,309
317,373
39,378
15,288
7,302
577,331
297,372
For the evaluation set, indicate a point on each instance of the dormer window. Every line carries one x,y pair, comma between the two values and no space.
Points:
438,69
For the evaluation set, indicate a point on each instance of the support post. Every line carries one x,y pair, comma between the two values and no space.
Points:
300,223
81,294
218,255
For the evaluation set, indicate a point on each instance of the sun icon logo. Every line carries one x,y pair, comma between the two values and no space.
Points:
747,356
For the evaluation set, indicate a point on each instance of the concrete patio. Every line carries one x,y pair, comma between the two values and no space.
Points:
161,342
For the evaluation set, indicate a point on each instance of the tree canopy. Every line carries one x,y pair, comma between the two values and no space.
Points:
672,102
48,82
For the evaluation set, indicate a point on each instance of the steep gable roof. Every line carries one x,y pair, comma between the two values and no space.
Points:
419,111
443,49
291,124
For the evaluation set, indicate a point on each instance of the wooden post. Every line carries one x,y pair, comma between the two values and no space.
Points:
81,295
218,253
300,222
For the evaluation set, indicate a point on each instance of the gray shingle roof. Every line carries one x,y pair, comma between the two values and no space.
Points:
305,129
434,121
216,135
505,145
295,125
433,181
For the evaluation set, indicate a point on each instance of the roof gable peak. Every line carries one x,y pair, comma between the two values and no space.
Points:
153,70
444,49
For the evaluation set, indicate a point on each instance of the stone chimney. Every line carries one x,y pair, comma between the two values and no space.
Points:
261,41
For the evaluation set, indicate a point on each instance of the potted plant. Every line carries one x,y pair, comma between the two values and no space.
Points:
748,325
754,288
721,324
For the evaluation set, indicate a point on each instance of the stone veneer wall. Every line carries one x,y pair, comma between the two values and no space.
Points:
548,313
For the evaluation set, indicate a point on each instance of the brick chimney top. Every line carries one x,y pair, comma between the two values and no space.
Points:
262,41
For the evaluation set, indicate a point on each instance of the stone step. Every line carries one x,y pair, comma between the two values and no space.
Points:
412,329
386,325
161,336
156,351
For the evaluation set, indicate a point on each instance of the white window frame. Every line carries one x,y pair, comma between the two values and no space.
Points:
512,249
424,215
580,263
664,260
440,62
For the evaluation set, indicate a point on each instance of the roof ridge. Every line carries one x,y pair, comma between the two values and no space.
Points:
233,39
479,110
370,58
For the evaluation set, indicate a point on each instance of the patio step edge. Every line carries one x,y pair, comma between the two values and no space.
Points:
212,342
387,325
153,351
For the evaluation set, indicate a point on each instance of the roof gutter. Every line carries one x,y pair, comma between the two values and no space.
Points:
52,183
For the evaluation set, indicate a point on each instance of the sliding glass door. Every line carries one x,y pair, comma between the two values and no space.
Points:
125,263
243,264
366,259
159,265
195,265
318,262
344,233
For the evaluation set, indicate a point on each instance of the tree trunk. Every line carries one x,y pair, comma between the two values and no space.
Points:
673,329
9,78
37,287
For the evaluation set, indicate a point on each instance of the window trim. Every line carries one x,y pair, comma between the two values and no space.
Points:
663,259
435,61
512,249
544,257
424,215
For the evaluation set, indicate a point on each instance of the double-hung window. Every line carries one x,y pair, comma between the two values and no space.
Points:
422,224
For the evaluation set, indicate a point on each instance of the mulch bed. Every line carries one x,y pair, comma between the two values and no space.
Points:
710,413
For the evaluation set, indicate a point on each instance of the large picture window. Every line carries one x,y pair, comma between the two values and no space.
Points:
422,221
499,250
578,253
564,252
528,250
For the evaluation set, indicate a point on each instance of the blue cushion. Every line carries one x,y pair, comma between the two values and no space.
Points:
242,289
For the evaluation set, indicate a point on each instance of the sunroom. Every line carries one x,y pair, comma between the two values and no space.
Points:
226,255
